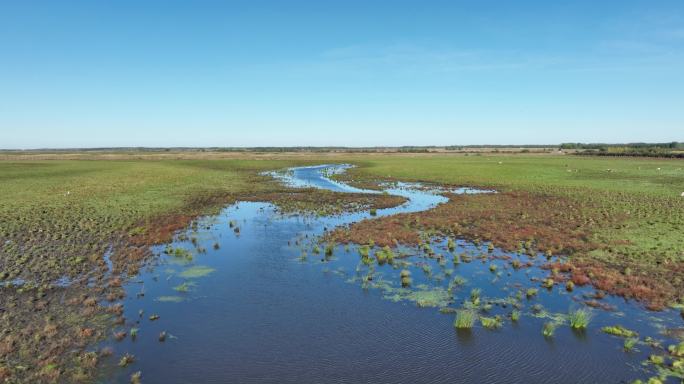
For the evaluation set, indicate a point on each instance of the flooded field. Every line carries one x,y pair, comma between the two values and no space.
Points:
254,295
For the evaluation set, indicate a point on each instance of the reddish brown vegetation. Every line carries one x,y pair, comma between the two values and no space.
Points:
506,219
4,373
654,287
525,221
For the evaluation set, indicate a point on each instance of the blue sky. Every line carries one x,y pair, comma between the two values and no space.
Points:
354,73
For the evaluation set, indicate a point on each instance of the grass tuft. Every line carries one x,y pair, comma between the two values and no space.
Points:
630,343
491,322
580,318
549,328
465,319
475,296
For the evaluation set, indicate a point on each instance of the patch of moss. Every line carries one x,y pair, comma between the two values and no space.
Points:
196,272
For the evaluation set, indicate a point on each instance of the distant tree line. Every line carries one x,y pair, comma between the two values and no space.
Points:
673,149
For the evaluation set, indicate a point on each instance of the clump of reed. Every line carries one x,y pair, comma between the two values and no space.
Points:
329,249
580,318
459,280
475,296
492,267
373,212
569,286
491,322
180,253
405,275
549,328
136,377
451,245
364,251
531,292
465,319
677,350
515,315
385,255
656,359
126,360
630,343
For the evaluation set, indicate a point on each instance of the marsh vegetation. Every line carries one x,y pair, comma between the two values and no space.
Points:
78,266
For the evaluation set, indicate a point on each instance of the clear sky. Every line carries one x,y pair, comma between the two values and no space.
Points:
348,72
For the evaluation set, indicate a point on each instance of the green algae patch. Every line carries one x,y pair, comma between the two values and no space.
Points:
185,287
618,330
169,299
196,272
424,298
542,313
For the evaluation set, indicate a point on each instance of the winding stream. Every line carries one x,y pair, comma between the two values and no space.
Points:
261,306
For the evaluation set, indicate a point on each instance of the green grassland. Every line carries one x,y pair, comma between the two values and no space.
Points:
57,214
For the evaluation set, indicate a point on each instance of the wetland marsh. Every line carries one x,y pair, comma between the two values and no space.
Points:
275,303
312,277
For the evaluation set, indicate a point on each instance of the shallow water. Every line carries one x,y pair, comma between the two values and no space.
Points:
260,312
